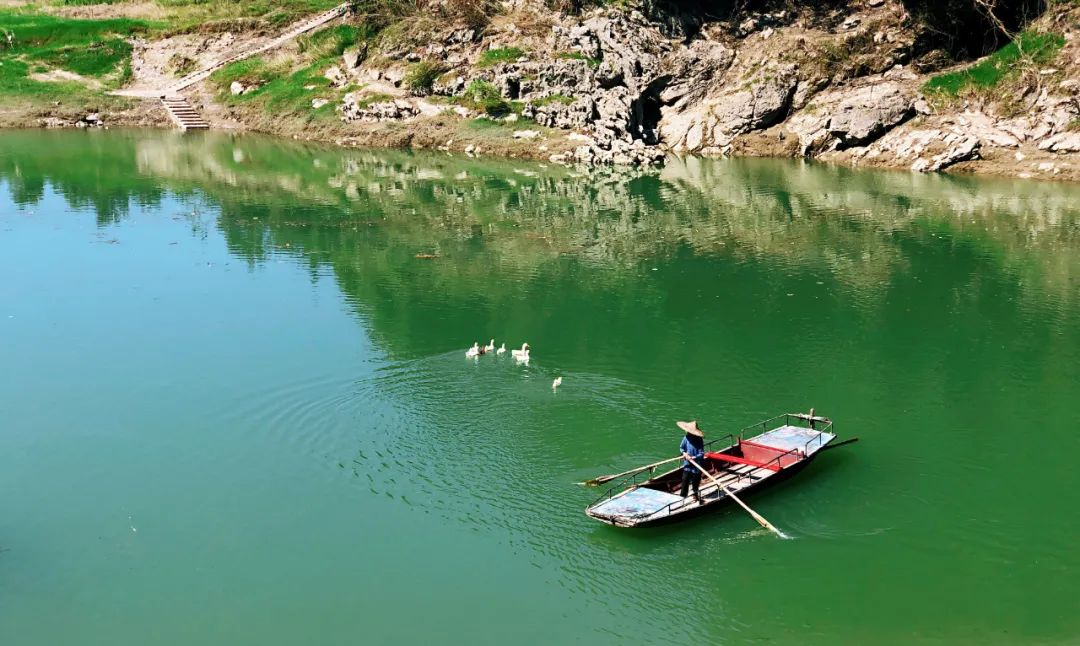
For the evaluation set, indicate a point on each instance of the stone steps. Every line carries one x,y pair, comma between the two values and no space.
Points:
183,114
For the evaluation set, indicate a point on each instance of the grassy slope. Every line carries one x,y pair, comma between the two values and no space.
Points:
990,72
283,87
99,50
95,49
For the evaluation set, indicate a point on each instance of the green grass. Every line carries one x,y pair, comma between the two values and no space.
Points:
482,95
554,98
96,58
332,41
1040,48
190,15
578,56
373,98
91,48
493,57
421,77
283,90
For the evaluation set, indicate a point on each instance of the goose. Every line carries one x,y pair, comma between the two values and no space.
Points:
490,347
521,355
473,352
555,384
501,350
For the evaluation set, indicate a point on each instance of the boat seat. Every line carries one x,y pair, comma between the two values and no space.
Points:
724,457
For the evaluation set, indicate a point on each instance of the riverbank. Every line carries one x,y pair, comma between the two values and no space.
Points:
873,83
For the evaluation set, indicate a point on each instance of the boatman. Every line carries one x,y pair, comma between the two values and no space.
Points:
692,447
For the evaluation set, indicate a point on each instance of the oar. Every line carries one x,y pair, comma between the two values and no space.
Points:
758,517
839,444
599,480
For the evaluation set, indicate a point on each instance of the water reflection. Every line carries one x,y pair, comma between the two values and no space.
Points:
277,196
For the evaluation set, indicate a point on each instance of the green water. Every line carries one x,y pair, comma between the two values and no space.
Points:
235,408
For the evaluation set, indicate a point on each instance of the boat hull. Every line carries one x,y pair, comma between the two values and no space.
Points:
714,506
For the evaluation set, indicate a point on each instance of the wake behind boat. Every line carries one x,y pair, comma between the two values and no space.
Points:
737,465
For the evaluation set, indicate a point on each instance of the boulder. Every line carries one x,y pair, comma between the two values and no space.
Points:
352,57
764,104
236,88
868,112
1066,142
354,107
958,148
336,77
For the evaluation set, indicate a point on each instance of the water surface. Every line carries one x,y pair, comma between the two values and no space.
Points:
235,407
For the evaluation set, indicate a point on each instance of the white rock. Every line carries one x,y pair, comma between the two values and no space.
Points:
318,103
526,134
236,88
335,76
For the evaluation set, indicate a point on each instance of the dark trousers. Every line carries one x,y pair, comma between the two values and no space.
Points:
691,476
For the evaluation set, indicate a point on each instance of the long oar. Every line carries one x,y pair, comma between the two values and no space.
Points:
599,480
758,517
839,444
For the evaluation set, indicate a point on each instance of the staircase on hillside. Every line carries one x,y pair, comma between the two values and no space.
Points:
183,114
306,26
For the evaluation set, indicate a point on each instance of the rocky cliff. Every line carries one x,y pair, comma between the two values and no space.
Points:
849,82
928,85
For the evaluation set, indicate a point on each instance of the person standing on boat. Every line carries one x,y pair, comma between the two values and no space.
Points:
693,447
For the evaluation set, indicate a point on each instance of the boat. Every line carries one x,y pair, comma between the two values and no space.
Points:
742,463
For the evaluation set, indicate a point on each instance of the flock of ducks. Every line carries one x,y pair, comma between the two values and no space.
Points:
520,356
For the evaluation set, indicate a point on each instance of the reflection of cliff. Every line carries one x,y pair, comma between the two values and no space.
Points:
327,201
527,214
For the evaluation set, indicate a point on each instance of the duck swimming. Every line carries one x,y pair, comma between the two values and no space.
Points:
555,384
522,355
490,347
501,350
473,352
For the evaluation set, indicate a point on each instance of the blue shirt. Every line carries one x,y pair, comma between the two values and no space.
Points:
694,450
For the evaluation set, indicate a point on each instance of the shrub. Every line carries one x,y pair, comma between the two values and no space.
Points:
578,56
482,95
421,77
501,55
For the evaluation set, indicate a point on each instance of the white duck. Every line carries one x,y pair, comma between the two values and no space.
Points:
555,384
501,350
473,352
490,347
522,355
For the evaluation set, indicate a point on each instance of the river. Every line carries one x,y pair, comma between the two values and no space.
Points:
235,408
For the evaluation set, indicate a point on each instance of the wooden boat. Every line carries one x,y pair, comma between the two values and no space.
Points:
742,463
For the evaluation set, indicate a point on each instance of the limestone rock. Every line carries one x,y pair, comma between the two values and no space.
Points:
336,77
958,148
354,107
1066,142
868,112
849,116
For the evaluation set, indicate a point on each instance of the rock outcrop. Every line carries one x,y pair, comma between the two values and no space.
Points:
845,85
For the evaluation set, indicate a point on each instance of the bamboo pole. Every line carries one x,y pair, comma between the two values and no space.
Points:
731,494
599,480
